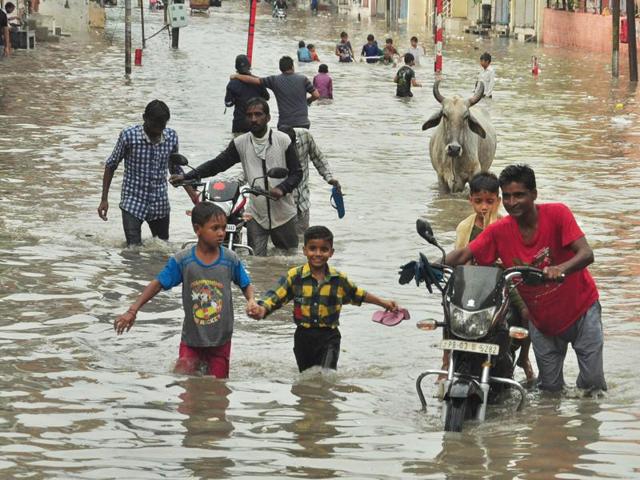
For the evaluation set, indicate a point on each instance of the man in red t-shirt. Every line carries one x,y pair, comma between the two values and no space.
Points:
547,236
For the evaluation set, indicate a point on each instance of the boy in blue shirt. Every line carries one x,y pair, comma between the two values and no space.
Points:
370,50
205,272
304,55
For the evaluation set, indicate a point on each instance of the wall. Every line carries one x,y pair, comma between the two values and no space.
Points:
584,31
418,12
74,17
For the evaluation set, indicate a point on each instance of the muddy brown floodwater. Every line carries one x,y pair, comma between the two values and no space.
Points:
77,402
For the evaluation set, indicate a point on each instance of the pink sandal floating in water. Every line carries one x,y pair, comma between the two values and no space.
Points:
391,318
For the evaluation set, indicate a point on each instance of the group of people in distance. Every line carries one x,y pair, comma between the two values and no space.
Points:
541,235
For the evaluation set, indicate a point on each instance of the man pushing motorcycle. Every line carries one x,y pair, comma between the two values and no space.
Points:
259,150
547,236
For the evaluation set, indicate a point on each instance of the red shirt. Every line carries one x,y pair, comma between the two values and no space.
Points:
554,307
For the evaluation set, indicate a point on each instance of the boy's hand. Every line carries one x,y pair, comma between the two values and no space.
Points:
124,322
251,307
258,312
390,305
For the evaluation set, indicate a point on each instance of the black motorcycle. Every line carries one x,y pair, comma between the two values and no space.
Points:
231,196
477,333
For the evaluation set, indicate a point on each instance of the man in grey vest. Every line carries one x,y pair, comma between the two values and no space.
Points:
259,150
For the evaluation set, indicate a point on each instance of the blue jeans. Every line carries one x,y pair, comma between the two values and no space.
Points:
586,338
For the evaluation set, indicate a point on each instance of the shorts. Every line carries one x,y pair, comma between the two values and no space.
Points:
316,347
215,358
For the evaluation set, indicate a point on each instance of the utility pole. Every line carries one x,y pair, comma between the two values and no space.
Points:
252,29
127,38
615,33
633,53
142,2
438,37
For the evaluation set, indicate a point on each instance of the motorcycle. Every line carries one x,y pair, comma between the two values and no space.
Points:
476,307
231,197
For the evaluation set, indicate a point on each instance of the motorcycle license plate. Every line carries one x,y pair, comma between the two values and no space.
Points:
474,347
231,227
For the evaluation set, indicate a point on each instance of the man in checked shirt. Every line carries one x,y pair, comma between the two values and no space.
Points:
308,150
145,150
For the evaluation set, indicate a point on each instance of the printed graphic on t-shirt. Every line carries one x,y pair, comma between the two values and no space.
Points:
207,301
540,260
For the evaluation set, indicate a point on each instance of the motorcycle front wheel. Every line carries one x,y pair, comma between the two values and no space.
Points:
456,414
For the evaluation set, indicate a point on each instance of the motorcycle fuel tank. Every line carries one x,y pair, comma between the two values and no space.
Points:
222,191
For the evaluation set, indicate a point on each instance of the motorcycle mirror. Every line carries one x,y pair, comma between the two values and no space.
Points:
427,325
425,231
518,333
278,172
178,159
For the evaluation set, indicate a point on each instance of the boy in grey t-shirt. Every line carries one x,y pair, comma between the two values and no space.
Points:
205,272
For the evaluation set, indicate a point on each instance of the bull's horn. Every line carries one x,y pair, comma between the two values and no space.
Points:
436,91
478,95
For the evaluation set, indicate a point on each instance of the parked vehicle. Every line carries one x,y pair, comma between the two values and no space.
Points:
476,308
199,6
231,197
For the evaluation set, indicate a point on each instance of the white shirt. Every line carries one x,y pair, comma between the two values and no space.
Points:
488,77
417,53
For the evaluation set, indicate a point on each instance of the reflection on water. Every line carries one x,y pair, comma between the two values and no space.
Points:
77,402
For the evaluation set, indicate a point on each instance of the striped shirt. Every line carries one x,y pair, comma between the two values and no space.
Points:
144,187
308,150
315,305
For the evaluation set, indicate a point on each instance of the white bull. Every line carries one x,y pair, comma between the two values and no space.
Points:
464,142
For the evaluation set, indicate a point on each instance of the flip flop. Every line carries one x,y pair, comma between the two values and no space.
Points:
390,318
337,201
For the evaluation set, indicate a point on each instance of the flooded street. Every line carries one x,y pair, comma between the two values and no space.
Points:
78,402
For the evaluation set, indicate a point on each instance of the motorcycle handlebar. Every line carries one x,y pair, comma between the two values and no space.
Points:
191,183
530,275
259,192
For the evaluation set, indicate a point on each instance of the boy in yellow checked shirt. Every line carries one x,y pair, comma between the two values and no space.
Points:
318,292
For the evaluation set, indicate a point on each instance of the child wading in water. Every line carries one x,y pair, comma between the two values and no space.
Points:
205,272
406,77
344,52
318,292
487,75
323,82
484,197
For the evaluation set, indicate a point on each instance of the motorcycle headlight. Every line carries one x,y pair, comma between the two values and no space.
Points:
471,325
